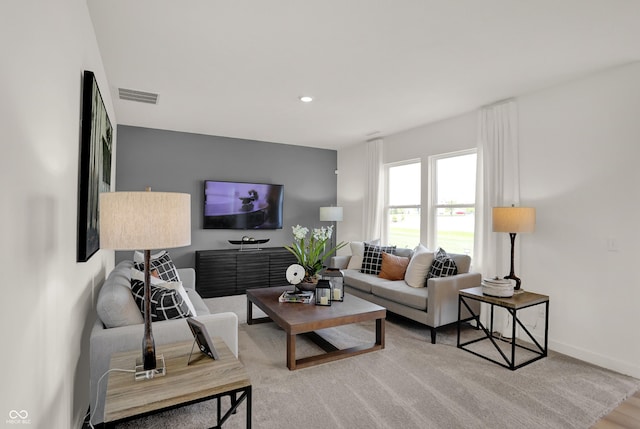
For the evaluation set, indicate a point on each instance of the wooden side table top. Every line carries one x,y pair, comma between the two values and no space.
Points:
518,300
183,383
296,318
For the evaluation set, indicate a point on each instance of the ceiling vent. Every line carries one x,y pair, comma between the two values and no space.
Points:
139,96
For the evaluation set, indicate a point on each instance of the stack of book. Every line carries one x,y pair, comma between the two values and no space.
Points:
500,288
304,297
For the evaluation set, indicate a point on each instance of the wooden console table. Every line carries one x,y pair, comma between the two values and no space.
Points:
231,272
203,379
517,302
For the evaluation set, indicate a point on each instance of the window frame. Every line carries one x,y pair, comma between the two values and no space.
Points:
432,203
387,206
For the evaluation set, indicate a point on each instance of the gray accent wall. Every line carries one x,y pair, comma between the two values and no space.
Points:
171,161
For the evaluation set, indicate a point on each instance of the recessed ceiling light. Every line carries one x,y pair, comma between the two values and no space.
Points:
306,99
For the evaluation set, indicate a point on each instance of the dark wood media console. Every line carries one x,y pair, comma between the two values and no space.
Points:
231,272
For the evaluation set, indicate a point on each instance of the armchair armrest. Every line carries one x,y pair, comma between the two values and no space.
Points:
442,301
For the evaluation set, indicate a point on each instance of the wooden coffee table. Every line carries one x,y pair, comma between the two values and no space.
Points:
203,379
296,318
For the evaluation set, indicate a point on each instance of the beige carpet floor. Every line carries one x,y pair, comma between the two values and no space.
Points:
410,384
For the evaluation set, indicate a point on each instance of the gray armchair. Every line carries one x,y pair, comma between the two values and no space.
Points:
119,327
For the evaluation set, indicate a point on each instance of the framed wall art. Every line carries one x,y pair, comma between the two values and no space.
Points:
96,140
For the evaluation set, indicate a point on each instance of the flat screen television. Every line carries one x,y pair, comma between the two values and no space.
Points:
241,205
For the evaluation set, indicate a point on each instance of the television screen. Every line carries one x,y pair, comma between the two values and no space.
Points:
239,205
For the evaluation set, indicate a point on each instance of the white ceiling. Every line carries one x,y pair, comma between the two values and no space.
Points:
375,67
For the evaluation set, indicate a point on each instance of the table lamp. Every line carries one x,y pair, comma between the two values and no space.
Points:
513,220
145,221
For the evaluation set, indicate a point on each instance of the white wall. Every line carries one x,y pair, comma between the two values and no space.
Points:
579,149
352,173
47,297
580,146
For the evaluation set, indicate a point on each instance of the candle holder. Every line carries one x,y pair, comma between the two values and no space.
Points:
323,292
336,281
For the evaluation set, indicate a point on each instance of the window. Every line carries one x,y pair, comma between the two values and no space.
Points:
453,196
402,212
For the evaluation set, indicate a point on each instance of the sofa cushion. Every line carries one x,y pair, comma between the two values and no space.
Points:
197,301
419,265
463,262
115,305
166,304
404,252
373,257
160,262
399,292
357,280
393,267
443,265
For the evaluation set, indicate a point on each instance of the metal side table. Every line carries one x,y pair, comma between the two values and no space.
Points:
517,302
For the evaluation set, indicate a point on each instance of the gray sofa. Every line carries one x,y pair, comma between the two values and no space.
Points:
435,305
119,327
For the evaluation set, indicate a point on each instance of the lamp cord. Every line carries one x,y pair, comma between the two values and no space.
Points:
91,413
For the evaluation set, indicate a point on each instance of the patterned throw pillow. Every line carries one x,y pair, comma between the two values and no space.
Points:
157,281
161,263
442,266
357,253
166,303
372,260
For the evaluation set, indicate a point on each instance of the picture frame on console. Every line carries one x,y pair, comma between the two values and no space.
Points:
94,176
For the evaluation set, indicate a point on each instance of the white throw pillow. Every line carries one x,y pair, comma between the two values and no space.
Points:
155,281
416,275
357,253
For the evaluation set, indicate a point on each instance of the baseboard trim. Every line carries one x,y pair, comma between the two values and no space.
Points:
596,359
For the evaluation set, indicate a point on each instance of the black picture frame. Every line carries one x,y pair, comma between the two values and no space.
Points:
94,172
202,337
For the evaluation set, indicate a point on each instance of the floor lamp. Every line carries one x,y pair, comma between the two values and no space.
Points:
145,221
514,220
331,214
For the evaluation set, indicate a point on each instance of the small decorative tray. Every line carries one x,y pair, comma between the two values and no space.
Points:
249,241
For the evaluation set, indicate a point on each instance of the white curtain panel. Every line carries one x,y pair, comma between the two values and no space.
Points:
374,198
498,185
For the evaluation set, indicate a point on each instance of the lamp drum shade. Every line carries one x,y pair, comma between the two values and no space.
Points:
514,219
331,214
144,220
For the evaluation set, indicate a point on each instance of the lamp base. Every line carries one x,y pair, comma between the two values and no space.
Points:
515,279
147,374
